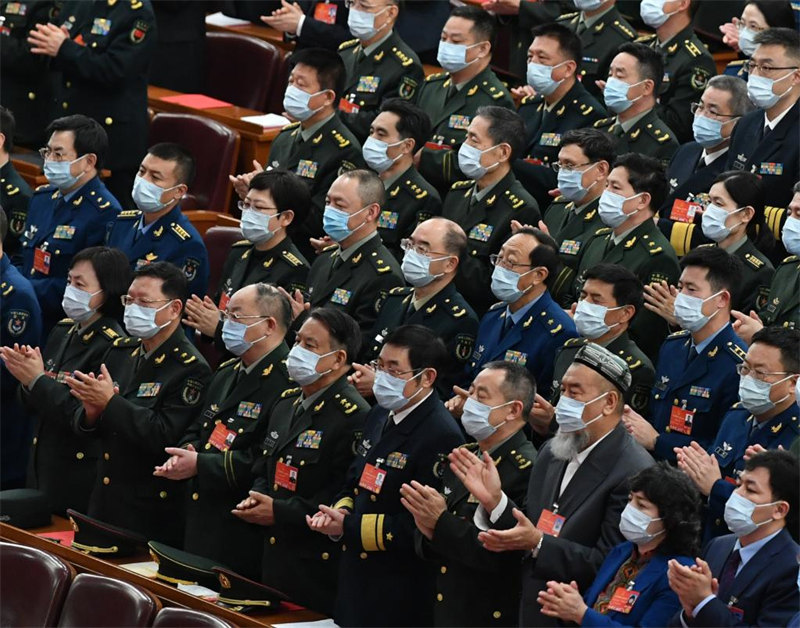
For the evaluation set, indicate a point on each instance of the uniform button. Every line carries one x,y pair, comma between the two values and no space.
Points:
363,555
443,569
205,424
109,121
64,105
35,440
666,429
241,430
31,96
344,547
208,446
302,462
68,83
163,494
274,487
195,496
79,455
439,597
325,556
106,481
355,491
106,456
496,614
272,540
373,498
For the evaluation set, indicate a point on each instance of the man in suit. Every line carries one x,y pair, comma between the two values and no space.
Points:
696,164
765,140
159,231
407,437
312,24
577,489
146,394
748,578
15,193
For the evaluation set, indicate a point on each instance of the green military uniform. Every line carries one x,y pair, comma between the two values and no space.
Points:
476,587
313,441
641,367
391,70
649,135
687,67
228,435
446,313
63,463
783,302
410,200
531,14
752,292
486,221
356,285
451,110
318,160
599,43
15,194
646,253
159,396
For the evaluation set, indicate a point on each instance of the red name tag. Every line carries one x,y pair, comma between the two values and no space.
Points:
222,438
683,211
550,523
223,301
436,146
348,107
372,478
533,160
286,476
41,261
325,12
680,420
623,600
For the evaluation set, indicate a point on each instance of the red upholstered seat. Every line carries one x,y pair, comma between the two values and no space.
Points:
186,618
97,601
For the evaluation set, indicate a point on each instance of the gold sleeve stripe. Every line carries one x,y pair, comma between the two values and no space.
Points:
681,237
379,533
345,502
369,525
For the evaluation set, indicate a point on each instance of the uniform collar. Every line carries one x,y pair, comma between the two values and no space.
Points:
373,47
591,21
707,342
628,124
306,134
521,312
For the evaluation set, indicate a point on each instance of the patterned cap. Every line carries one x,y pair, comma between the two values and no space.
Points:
610,366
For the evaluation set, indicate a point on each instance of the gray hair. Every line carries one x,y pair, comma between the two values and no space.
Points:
370,187
518,384
740,103
272,302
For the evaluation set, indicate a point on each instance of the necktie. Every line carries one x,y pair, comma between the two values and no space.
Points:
581,27
729,573
451,90
389,423
508,322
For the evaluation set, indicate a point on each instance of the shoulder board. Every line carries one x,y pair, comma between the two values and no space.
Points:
413,189
495,89
348,44
6,288
679,334
377,260
96,200
521,461
341,140
127,341
497,305
242,243
345,404
645,39
227,363
290,391
694,49
184,357
179,231
790,259
401,290
561,199
44,188
11,189
602,231
462,184
439,76
737,406
109,333
567,16
737,63
455,310
67,322
129,214
290,126
754,261
575,342
292,258
402,57
736,351
623,28
600,124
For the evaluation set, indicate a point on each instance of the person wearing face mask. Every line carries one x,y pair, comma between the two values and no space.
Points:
379,64
62,462
766,416
696,380
70,214
302,460
755,568
631,92
217,451
276,200
560,103
142,399
477,587
577,488
395,135
317,146
158,229
451,98
764,141
632,239
406,439
660,523
687,63
486,204
15,193
430,266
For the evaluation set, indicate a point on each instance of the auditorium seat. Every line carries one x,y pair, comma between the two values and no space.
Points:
186,618
32,587
244,71
97,601
218,241
215,148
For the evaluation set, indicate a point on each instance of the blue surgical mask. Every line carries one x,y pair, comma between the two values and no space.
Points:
746,43
587,5
140,321
739,515
334,222
791,235
754,394
540,77
255,226
689,311
469,161
374,152
233,336
147,195
58,173
453,57
713,222
590,319
475,418
633,523
362,24
505,282
569,414
388,390
295,103
707,131
760,90
302,365
570,183
417,268
615,95
76,303
611,208
652,12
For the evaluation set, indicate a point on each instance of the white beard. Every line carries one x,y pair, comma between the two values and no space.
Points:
566,446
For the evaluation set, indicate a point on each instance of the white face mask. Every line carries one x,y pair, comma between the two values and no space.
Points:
453,57
362,24
755,394
612,208
255,226
590,319
375,154
714,219
791,235
746,43
417,268
296,103
633,524
76,303
652,12
388,390
569,414
302,365
469,160
475,419
140,321
147,195
689,311
739,515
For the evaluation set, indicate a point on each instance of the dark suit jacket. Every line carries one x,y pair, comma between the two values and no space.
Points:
591,505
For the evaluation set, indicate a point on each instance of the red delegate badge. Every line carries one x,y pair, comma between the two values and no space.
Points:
550,523
223,301
325,12
372,478
348,107
222,438
41,261
683,211
286,476
623,600
680,420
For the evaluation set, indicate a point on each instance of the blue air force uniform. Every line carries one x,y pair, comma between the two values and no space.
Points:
692,391
738,431
172,238
56,228
532,340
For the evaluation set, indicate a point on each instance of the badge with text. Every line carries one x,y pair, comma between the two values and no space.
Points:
623,600
550,523
223,301
41,261
286,476
222,438
680,420
683,211
325,12
347,106
372,478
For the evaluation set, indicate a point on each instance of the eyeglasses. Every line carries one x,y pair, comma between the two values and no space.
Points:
362,6
741,26
753,67
696,107
496,260
376,366
743,369
235,316
242,205
407,245
557,167
127,300
51,155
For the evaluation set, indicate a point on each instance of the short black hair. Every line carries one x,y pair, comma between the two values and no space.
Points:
645,174
787,38
568,41
413,122
678,503
287,189
8,126
174,286
484,25
3,224
342,328
545,253
505,127
113,271
519,384
649,63
597,145
184,162
272,302
723,271
784,481
775,12
328,65
787,340
627,287
746,188
425,349
90,137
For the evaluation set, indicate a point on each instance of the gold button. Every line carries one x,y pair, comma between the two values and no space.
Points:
272,540
94,44
65,105
355,491
443,569
163,494
31,96
79,455
205,424
106,481
241,430
68,83
325,556
195,496
208,446
363,555
106,456
373,498
666,429
274,487
109,121
35,440
439,597
496,614
302,462
217,421
344,547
